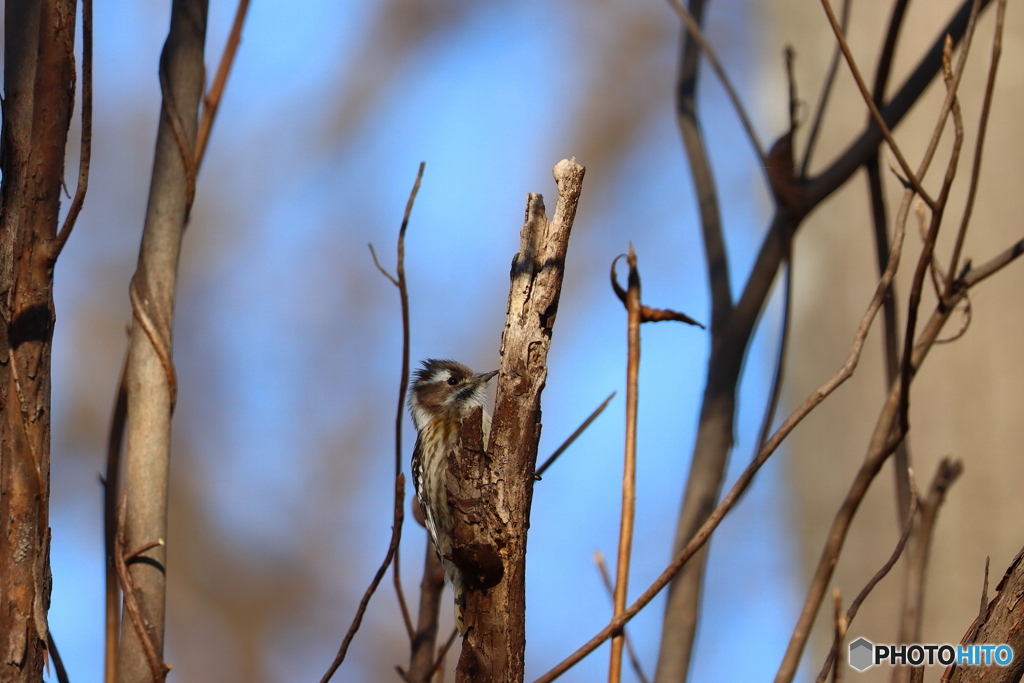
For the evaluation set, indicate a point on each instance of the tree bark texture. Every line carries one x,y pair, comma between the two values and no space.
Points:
150,377
39,81
1002,621
491,490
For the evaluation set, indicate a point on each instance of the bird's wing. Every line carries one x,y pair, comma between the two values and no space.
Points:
421,492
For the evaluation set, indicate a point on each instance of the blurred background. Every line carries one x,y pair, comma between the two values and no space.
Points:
288,341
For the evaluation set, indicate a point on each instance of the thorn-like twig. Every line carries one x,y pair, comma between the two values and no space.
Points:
380,267
572,437
58,664
983,607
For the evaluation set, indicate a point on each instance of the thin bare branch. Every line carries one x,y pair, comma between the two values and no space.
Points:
784,224
606,580
698,37
823,98
85,156
111,481
881,448
399,500
794,97
403,295
938,211
629,469
994,265
933,267
963,326
443,653
882,445
572,437
775,245
841,626
851,613
380,267
979,143
872,464
700,171
211,102
361,610
779,374
111,485
917,559
952,84
875,114
679,624
880,223
58,663
899,11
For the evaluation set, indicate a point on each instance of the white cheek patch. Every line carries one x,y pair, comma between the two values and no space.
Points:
440,375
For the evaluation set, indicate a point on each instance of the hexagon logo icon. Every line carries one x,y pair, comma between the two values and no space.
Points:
861,651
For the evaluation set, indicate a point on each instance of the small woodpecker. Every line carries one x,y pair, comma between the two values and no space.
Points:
441,395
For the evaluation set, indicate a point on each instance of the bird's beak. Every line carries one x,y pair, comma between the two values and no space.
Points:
486,376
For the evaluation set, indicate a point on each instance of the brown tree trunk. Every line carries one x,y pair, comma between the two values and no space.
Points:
39,78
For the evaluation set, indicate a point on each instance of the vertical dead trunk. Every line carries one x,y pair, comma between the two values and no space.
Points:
151,381
491,492
39,80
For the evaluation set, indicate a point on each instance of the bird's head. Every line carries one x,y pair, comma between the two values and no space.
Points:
445,388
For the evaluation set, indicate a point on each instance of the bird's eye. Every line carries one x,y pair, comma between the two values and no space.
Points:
452,381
